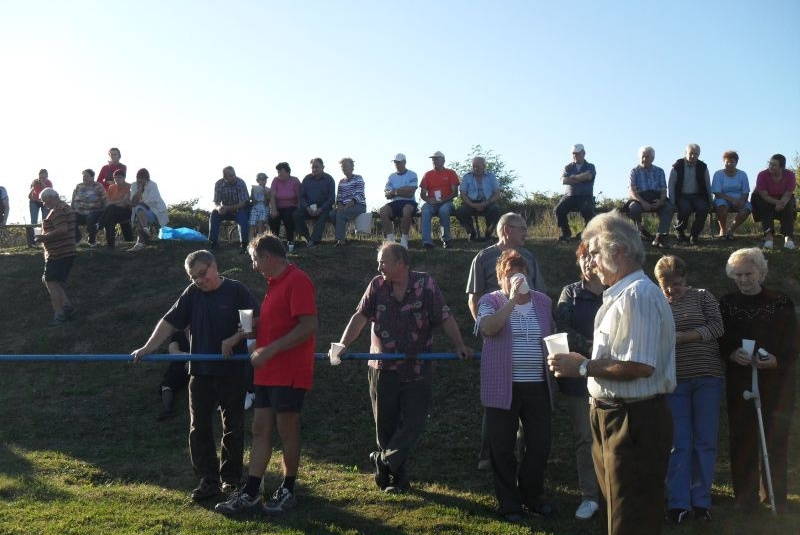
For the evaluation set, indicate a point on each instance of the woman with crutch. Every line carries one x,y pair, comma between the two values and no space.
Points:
768,317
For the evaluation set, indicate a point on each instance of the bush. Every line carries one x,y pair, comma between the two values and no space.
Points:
185,214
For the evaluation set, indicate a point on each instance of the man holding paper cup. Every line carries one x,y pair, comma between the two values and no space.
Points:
631,369
210,307
284,369
437,190
403,306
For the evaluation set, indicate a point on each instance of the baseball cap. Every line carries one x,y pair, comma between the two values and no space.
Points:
437,154
399,157
577,148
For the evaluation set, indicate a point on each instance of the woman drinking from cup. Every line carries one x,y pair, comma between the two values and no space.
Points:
515,386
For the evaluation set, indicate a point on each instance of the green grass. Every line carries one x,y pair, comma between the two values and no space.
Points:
81,452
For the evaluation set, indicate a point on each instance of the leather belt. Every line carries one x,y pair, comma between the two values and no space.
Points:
617,403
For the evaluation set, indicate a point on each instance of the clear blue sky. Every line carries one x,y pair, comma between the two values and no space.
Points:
185,88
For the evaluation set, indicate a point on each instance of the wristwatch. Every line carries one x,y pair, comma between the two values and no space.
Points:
583,370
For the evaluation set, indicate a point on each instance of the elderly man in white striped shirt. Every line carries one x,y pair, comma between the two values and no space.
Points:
632,367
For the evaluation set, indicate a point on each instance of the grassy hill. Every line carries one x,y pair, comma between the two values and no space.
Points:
81,452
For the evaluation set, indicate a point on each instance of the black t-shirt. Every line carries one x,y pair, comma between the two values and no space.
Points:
212,317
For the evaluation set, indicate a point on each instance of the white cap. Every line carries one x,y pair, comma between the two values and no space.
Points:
437,154
577,147
399,157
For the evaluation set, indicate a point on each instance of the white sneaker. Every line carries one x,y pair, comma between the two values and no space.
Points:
404,241
789,244
768,244
390,237
586,510
138,246
248,400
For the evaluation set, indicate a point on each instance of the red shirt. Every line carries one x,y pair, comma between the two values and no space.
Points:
106,174
289,296
444,181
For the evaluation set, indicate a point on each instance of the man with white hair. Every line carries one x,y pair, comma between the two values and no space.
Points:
578,177
690,190
480,191
58,240
631,369
648,193
399,191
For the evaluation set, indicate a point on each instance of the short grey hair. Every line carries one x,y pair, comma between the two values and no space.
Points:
47,193
753,256
509,218
615,234
647,149
693,146
202,256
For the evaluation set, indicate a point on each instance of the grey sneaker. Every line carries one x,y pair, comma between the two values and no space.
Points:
238,503
281,501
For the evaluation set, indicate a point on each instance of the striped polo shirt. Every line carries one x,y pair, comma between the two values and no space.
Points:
59,232
698,310
634,324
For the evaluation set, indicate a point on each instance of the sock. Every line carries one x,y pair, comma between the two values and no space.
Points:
390,237
288,483
252,486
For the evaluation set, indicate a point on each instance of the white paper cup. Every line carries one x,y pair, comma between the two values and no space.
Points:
523,287
749,346
556,343
246,319
364,223
37,231
335,351
437,195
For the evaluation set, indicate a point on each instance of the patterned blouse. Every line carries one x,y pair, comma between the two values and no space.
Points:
404,326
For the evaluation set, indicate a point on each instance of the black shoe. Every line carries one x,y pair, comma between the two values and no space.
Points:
646,236
660,241
472,236
514,518
480,239
229,488
701,513
398,482
677,516
205,490
212,245
681,236
382,474
694,240
541,509
427,246
564,238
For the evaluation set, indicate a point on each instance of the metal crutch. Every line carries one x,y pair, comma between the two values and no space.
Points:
755,394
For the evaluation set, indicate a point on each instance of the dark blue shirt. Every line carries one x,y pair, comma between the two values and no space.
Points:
575,312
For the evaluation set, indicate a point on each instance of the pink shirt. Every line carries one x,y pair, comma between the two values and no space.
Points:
286,192
764,182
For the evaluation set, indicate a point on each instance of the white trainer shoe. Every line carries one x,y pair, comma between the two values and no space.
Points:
404,241
586,510
768,244
249,398
138,246
789,244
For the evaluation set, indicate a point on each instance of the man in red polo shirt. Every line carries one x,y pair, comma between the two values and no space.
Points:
437,190
284,369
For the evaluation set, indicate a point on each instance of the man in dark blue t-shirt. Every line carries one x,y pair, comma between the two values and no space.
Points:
210,307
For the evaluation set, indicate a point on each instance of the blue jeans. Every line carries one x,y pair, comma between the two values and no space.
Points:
695,415
35,206
443,211
242,218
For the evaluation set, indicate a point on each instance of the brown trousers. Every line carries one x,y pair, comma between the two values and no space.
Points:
631,449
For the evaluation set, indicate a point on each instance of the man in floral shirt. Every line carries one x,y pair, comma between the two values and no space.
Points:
404,306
